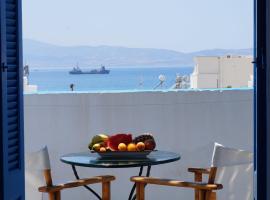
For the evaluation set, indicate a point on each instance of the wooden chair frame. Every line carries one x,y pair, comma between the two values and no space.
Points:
203,191
54,191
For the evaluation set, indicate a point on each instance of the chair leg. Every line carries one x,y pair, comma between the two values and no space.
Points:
202,195
58,195
54,195
139,191
213,196
197,178
51,196
106,191
210,195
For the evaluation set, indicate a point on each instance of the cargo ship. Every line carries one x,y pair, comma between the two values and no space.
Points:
101,70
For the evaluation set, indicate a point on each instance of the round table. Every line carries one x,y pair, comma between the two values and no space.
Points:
88,159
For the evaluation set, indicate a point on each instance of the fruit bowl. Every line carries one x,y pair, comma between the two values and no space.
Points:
123,154
122,145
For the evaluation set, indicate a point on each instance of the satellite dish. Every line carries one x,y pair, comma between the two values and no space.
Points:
162,78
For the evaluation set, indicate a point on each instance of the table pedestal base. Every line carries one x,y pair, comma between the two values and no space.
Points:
131,195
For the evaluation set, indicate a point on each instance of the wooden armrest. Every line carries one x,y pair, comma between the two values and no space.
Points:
199,170
77,183
176,183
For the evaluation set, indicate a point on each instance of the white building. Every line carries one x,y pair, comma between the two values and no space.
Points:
222,72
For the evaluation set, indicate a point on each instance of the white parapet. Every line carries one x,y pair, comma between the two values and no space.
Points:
187,122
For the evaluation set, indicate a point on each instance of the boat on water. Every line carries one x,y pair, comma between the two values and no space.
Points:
101,70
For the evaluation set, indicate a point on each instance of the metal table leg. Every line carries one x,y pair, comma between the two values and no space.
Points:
134,185
131,196
86,186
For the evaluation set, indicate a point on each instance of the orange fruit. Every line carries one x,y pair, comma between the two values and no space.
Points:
140,146
122,147
102,149
131,147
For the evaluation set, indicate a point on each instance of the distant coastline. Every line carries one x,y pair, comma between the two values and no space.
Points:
47,56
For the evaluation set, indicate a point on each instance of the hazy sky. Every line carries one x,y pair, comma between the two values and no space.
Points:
183,25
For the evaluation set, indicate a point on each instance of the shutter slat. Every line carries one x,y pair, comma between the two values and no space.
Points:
12,97
13,164
12,112
12,128
12,104
11,38
11,60
12,90
11,1
10,7
12,68
10,15
13,148
12,75
11,45
11,22
11,83
12,52
12,135
11,30
13,158
13,142
12,120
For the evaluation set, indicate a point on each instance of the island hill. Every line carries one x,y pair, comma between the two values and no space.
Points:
43,55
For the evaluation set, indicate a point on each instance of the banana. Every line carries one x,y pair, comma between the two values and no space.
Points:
100,138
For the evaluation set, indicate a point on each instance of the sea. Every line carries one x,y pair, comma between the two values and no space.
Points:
53,80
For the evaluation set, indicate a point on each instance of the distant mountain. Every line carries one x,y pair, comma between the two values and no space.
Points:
43,55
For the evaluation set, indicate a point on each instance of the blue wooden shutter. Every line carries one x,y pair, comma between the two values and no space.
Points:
12,101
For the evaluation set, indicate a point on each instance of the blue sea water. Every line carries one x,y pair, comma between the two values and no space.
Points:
118,79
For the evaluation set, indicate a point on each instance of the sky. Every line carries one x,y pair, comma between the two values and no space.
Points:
181,25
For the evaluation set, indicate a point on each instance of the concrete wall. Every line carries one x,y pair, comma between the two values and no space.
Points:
187,122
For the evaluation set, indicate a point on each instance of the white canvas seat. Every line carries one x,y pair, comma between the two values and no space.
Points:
35,164
223,158
38,180
235,166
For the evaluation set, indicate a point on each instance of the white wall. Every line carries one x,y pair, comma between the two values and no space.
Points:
187,122
221,72
235,71
204,81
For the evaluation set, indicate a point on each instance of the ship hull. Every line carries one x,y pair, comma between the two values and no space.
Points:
89,72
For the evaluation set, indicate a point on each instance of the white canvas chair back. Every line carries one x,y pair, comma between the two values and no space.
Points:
235,172
35,163
225,156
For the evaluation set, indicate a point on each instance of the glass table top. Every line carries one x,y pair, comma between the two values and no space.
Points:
88,159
